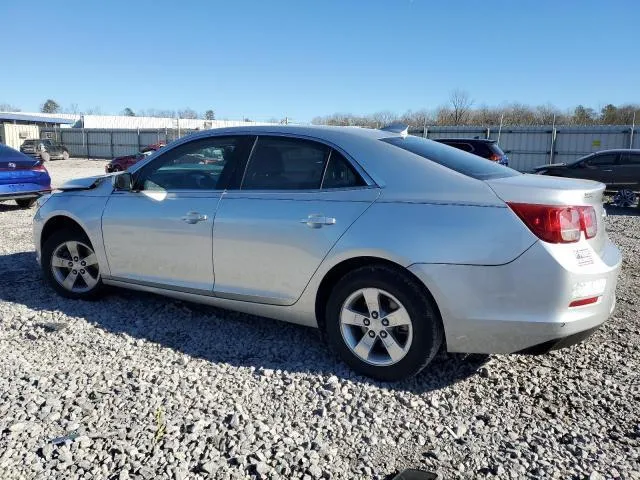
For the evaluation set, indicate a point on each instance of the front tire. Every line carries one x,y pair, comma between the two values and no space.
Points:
382,323
70,266
65,155
45,156
26,202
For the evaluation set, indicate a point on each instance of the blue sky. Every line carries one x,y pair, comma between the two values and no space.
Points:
273,58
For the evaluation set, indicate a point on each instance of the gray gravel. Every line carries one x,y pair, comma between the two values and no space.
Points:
151,387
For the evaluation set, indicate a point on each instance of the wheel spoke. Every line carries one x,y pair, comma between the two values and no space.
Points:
70,281
349,317
88,279
371,297
90,259
59,262
398,318
395,351
73,249
364,346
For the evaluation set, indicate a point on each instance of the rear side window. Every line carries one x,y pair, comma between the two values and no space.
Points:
631,159
462,162
340,173
280,163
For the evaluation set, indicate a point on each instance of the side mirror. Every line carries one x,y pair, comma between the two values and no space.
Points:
122,182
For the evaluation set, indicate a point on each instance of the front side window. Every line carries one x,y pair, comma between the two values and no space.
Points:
605,159
281,163
206,164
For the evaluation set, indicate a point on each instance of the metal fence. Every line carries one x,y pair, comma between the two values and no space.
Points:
526,147
109,143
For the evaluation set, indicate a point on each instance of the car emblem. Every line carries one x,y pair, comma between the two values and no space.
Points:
11,165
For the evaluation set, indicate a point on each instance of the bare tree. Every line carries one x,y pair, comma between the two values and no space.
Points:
93,110
461,104
73,108
7,107
187,113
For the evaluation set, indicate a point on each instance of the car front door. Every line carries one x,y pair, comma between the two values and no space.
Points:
160,233
296,200
600,167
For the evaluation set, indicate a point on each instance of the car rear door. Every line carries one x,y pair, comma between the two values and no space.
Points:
297,198
160,234
627,174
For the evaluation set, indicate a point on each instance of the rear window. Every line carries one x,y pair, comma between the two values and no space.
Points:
457,160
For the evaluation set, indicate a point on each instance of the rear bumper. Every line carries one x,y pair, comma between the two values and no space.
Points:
23,194
523,306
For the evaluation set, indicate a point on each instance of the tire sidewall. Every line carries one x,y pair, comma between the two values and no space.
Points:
45,156
48,248
427,332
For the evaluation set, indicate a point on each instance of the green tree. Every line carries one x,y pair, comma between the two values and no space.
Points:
609,115
128,112
583,116
209,115
50,106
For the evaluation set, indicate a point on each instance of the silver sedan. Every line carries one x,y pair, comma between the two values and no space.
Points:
393,245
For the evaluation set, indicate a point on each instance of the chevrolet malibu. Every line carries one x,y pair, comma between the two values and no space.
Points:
393,245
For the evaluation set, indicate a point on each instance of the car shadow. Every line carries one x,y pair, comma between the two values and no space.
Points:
624,211
9,207
210,333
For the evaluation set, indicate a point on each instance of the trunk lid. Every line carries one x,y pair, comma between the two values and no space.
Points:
543,190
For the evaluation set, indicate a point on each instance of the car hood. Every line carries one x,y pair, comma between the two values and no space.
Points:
84,183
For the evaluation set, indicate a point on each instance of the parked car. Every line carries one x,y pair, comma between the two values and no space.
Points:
120,164
45,149
22,178
484,148
393,245
618,169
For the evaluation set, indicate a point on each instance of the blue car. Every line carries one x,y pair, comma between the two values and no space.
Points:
22,178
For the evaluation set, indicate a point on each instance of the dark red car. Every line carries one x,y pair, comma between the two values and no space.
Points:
120,164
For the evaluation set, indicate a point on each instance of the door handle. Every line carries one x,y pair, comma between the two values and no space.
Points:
607,170
317,221
194,217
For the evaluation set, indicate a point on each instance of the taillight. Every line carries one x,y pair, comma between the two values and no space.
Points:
589,221
494,157
556,224
39,168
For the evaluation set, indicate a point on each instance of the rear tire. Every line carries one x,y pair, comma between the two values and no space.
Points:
391,338
624,198
26,202
45,156
65,155
63,253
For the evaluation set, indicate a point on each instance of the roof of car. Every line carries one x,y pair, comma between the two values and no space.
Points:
479,140
319,131
618,150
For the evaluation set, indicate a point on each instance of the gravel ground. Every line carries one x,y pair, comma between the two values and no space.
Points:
154,387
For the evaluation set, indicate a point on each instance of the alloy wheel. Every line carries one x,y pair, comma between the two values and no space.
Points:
376,327
624,198
75,266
